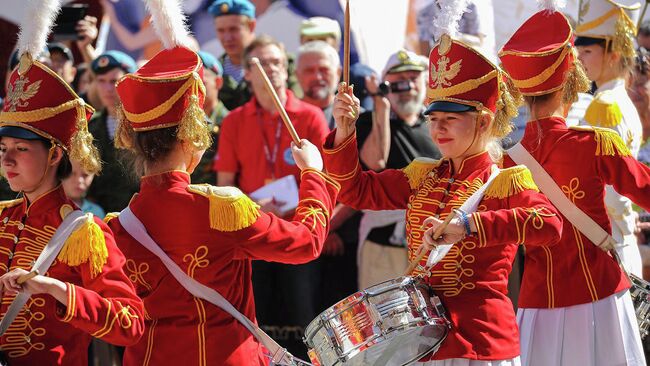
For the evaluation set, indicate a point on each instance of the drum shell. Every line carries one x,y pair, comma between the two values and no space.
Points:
400,317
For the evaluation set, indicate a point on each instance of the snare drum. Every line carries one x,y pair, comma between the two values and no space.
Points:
640,292
393,323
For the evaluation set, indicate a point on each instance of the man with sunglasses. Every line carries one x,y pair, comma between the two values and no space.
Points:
390,137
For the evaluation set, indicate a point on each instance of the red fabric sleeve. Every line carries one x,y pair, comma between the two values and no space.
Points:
386,190
529,219
299,240
106,307
628,176
226,158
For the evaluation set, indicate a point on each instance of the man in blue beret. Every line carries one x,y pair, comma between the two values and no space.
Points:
113,189
62,61
234,22
215,111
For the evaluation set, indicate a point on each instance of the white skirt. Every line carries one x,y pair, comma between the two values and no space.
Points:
467,362
601,333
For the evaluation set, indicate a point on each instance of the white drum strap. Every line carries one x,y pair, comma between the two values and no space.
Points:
580,220
136,229
44,261
469,206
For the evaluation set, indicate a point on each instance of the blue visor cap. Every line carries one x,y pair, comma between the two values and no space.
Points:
20,133
443,106
588,41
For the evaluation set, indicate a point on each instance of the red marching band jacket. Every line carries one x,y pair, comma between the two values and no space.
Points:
213,234
102,302
581,160
471,280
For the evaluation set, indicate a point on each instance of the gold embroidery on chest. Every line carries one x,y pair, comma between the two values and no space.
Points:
571,191
450,275
23,334
136,272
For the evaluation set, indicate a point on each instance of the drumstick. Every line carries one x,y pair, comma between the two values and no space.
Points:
422,251
346,45
278,105
26,277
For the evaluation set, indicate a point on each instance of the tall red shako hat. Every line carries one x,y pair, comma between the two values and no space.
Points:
462,79
540,56
41,105
167,91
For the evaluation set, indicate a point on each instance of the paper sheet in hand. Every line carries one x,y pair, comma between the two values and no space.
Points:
284,190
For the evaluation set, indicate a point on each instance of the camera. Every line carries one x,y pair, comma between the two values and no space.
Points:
400,86
65,28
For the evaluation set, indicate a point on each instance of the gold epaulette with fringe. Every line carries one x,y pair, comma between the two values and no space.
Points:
110,216
86,245
603,111
608,142
511,181
230,209
418,170
10,203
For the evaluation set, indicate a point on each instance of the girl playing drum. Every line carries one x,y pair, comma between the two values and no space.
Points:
469,110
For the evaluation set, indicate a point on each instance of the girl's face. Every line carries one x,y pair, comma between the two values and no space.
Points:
23,162
453,133
593,58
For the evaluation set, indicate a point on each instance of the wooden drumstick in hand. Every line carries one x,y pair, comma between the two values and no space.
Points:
423,250
26,277
278,105
346,44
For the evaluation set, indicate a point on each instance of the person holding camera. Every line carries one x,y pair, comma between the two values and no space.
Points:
390,137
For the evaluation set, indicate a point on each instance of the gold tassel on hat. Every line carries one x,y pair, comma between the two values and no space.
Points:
507,106
82,148
124,133
576,80
193,127
86,245
624,34
511,181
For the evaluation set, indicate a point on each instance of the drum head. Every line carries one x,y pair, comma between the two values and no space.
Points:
402,348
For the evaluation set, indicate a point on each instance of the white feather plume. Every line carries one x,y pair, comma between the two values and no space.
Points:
447,20
169,22
37,25
551,5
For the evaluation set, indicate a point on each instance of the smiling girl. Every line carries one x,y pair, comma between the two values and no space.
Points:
469,110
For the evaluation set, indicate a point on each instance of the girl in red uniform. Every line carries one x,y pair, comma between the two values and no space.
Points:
211,233
574,304
84,293
470,108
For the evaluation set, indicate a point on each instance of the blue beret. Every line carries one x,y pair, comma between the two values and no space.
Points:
232,7
210,62
14,59
110,60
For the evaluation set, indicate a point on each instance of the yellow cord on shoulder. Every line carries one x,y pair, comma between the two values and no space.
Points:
511,181
418,169
86,245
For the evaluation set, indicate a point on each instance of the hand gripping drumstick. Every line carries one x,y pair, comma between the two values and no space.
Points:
278,105
26,277
422,251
